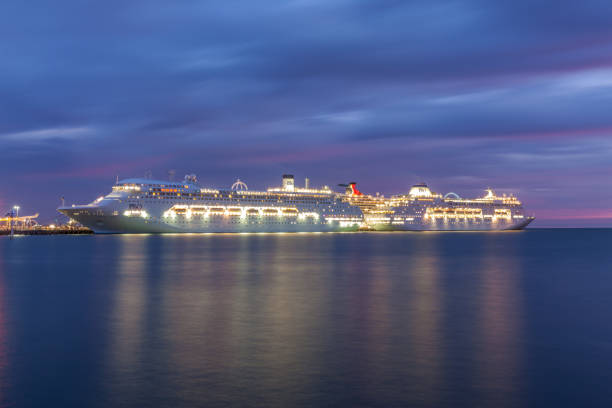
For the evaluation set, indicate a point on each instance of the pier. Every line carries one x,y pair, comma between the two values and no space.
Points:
13,224
46,230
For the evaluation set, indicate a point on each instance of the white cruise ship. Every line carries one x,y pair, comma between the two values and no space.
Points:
423,210
148,206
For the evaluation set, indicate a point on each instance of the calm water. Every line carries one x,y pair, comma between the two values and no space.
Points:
381,320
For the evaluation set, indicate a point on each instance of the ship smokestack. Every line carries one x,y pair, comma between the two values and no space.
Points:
288,182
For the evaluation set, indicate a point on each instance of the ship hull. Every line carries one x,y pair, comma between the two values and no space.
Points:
467,225
117,224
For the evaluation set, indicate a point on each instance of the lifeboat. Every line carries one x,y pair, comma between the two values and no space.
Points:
270,211
234,211
290,212
217,210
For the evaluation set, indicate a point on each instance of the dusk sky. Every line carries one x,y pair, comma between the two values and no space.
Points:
515,95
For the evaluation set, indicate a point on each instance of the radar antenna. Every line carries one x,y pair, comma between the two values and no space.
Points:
191,178
239,186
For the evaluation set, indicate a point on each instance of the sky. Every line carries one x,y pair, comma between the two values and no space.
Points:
464,95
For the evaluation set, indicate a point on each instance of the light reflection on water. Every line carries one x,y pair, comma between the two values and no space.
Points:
3,337
274,320
426,315
499,356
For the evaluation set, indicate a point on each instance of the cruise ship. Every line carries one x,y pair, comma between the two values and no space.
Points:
423,210
149,206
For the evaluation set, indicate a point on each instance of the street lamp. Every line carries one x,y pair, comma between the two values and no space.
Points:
15,208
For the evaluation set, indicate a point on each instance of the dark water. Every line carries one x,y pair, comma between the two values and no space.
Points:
380,320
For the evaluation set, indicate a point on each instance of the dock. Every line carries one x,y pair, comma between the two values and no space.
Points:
13,224
47,230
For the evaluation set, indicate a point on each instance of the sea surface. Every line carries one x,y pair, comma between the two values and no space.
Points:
500,319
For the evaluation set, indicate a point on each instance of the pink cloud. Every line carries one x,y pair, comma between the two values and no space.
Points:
576,214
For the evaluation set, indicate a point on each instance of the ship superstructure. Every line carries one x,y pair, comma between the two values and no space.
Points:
374,207
149,206
423,210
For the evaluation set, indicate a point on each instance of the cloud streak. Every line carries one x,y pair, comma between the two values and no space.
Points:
46,134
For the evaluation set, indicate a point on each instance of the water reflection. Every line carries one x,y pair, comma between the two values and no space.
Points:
376,320
281,319
298,320
128,312
426,315
3,337
374,300
498,348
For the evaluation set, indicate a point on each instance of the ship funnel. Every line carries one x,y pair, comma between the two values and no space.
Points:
353,187
288,182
